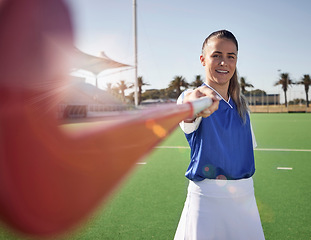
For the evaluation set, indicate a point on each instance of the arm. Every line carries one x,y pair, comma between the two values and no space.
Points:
191,125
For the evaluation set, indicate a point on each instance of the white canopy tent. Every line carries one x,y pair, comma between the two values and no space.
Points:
94,64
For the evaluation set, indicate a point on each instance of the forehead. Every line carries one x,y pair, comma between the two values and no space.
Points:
223,45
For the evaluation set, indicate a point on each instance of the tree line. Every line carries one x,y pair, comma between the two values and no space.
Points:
179,83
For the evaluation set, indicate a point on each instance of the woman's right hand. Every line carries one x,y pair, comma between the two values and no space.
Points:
203,92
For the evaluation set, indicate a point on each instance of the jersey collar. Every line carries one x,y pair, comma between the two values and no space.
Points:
220,95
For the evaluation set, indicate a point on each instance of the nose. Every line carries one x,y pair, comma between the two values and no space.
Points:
222,62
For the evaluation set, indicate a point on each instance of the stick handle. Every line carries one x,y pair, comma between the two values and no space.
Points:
201,104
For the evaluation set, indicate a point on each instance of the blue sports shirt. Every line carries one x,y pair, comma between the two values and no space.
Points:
221,147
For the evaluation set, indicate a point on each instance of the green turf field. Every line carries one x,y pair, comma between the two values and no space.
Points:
150,200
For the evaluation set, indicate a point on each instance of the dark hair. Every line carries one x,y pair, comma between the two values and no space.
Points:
221,34
234,87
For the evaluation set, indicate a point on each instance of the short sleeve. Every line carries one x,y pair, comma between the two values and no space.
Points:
188,127
253,137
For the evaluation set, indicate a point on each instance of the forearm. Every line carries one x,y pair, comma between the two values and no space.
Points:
188,125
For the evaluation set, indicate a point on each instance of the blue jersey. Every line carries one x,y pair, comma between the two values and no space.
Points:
221,147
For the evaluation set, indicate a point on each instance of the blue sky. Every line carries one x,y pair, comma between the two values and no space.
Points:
272,36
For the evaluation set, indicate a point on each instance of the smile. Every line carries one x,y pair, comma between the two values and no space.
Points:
222,71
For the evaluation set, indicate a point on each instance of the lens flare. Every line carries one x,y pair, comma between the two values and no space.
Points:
157,129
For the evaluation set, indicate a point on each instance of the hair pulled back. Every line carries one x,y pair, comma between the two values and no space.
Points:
234,90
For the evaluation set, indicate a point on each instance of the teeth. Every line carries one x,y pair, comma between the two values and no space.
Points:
221,71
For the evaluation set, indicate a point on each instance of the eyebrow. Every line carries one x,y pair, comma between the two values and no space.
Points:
222,53
232,54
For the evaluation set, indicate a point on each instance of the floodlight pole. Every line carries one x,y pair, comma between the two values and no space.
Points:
135,54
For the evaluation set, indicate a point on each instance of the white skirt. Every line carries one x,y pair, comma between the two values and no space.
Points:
220,210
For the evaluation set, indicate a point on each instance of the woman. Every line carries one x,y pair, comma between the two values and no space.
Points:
220,203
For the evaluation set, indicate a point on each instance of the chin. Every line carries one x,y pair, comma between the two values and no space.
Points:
222,81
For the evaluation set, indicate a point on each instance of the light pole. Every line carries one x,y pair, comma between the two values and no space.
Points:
135,52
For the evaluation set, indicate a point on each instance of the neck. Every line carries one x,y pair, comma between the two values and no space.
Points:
221,89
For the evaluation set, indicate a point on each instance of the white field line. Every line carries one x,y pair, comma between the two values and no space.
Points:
256,149
284,168
282,150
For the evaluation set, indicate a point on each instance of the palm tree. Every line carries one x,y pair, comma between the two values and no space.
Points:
113,90
109,87
141,83
122,86
306,81
176,83
285,82
244,84
197,82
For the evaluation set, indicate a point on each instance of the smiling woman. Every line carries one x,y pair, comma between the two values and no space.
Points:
222,158
219,57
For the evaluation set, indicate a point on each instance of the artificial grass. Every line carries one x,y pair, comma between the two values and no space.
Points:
149,202
283,196
282,130
149,205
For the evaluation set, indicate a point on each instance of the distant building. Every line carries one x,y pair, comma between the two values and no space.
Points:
263,99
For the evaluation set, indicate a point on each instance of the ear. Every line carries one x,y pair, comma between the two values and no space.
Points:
202,59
